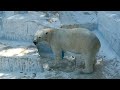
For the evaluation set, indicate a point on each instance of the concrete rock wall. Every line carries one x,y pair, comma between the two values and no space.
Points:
18,27
21,25
109,26
87,19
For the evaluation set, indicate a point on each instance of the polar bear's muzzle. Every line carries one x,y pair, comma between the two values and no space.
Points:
35,42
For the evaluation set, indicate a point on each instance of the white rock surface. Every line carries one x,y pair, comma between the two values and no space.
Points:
87,19
19,56
75,17
23,26
109,26
8,13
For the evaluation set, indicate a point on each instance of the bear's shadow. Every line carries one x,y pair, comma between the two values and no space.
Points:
47,57
44,50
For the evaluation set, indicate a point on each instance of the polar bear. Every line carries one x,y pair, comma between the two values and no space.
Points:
76,40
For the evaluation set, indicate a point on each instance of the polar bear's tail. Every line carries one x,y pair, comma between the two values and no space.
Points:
98,45
97,48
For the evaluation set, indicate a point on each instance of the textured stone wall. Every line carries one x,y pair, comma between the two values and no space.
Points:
87,19
109,26
21,25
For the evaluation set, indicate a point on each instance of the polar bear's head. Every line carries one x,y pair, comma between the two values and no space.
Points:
42,35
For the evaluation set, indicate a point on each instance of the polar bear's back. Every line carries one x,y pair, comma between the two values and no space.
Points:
75,34
74,39
75,31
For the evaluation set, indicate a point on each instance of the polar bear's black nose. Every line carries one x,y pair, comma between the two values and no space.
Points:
35,42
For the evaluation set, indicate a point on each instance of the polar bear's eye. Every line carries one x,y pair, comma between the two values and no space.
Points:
39,37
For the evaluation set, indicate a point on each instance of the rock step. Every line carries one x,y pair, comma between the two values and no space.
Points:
19,64
19,56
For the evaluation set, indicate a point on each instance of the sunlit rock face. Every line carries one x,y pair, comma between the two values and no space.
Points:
1,19
19,27
22,26
8,13
109,26
20,12
86,19
19,56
